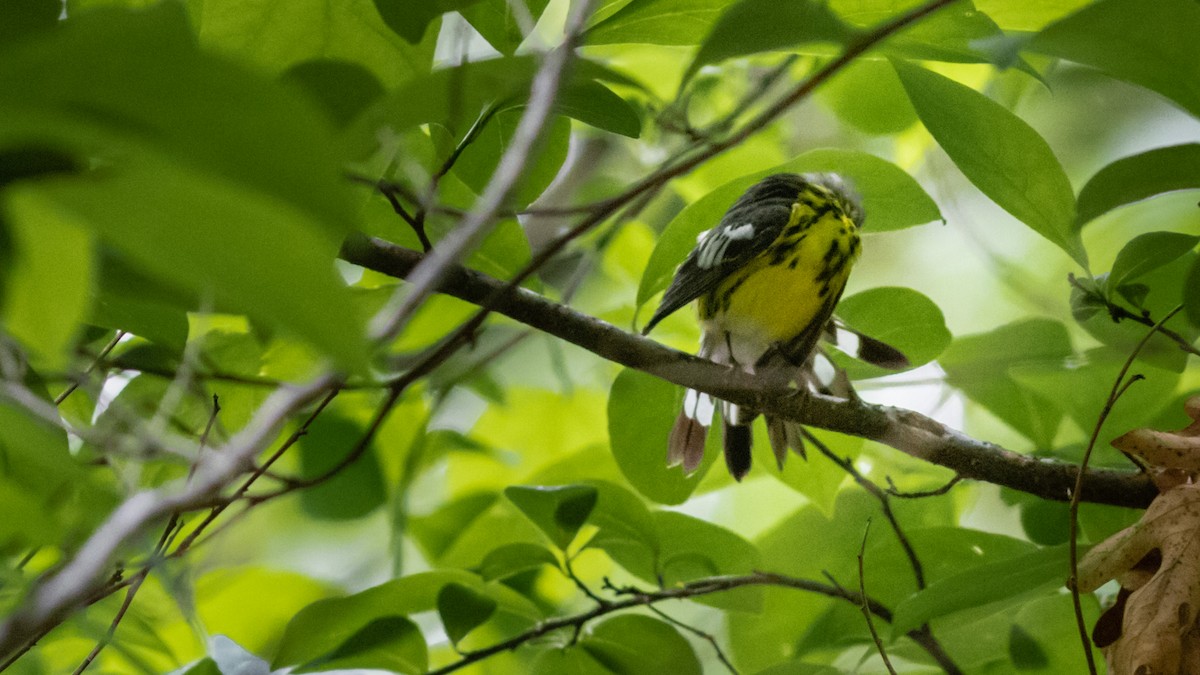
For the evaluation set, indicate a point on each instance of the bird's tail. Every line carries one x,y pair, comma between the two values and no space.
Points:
685,445
738,442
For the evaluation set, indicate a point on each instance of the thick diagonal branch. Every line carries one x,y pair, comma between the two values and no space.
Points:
907,431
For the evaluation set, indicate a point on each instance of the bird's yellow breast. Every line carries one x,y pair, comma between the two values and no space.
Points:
780,292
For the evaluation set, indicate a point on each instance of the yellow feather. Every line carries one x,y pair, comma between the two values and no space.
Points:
779,300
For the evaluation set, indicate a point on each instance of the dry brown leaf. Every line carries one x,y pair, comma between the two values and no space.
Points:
1159,632
1174,455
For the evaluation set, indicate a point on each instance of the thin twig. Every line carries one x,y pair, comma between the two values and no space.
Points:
845,464
468,138
570,572
45,411
360,446
134,585
291,440
91,367
760,88
55,596
699,587
707,637
921,494
862,592
386,189
221,376
173,525
1119,313
396,189
1119,387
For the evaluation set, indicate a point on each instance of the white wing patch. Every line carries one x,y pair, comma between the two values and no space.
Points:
712,249
745,231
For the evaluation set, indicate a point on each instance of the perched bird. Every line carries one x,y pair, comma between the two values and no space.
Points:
767,279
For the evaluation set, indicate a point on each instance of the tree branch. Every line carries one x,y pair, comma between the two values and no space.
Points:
56,596
906,430
700,587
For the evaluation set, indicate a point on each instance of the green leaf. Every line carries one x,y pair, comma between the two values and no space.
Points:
34,454
1138,177
800,668
1080,387
463,610
342,88
249,605
566,661
48,290
22,18
892,200
1147,252
816,477
558,511
242,204
391,643
34,527
148,87
351,31
1191,293
144,394
1157,290
1045,522
479,159
999,153
323,626
455,97
410,20
626,529
205,666
499,24
632,644
901,317
657,22
959,33
691,549
126,300
978,366
1027,574
762,640
597,105
26,161
1028,15
247,251
753,26
868,95
355,490
515,558
1050,622
1149,44
641,411
438,531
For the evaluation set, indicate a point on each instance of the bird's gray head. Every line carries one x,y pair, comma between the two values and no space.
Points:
842,191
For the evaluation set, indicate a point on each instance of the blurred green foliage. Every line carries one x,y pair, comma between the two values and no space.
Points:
176,179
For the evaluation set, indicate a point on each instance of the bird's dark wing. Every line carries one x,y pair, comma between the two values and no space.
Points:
749,227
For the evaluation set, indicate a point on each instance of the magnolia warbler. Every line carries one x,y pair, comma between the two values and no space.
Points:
766,278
